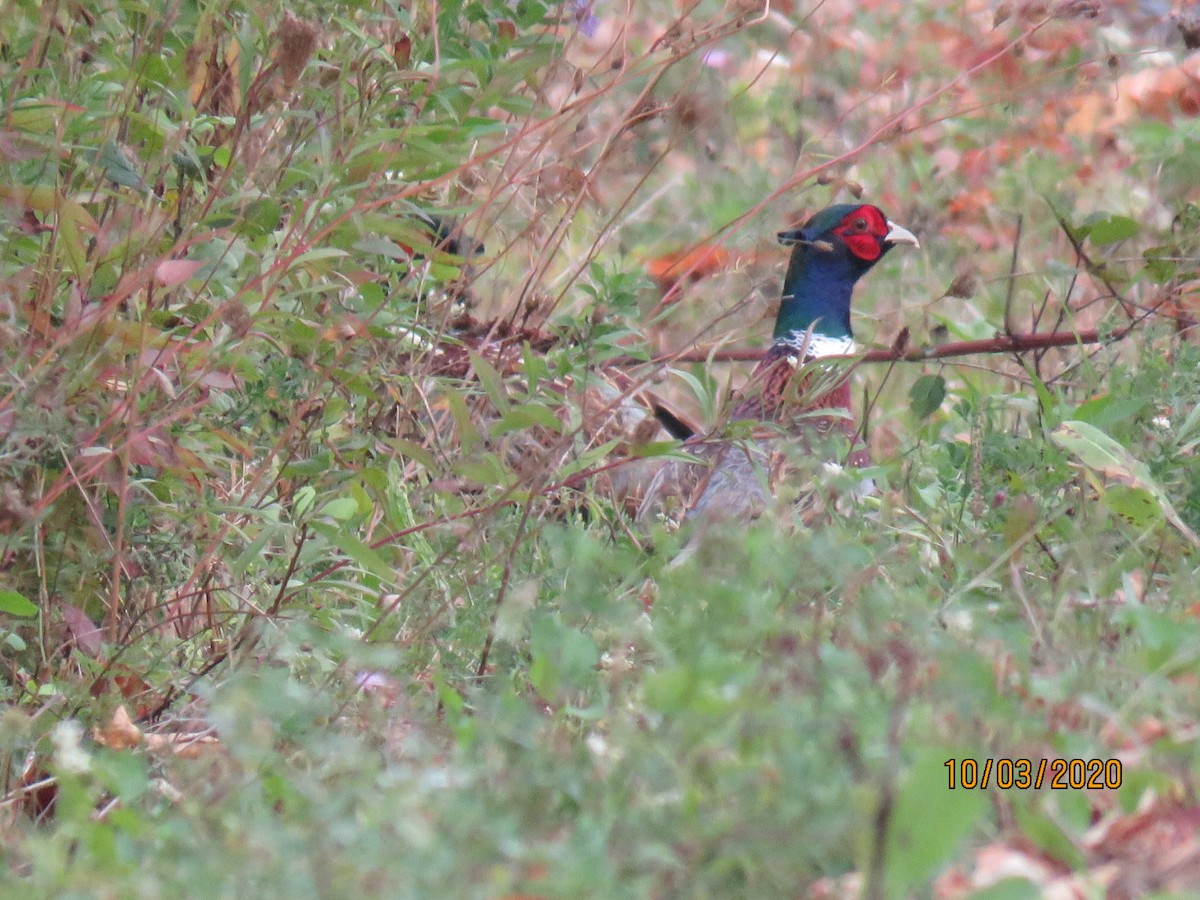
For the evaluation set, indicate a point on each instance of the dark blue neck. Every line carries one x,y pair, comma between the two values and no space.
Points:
817,288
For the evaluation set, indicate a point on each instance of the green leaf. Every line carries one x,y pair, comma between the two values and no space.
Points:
16,604
187,163
529,13
493,384
468,434
704,390
929,822
118,166
1104,456
450,699
1050,833
378,246
561,655
1014,887
72,243
527,415
41,116
368,559
1106,411
1097,450
1113,229
653,449
253,551
413,451
319,254
1046,402
303,500
340,508
587,459
484,468
926,395
669,691
1186,434
259,218
534,366
1181,169
1159,264
73,219
1135,504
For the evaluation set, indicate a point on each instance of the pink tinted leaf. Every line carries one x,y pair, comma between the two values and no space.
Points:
221,381
86,633
171,272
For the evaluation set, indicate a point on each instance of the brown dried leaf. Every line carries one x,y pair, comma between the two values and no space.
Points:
120,733
998,862
402,51
296,41
39,789
83,631
184,746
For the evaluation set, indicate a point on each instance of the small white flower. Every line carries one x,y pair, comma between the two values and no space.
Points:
69,754
958,620
597,744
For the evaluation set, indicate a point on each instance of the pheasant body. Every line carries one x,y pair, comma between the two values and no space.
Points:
798,422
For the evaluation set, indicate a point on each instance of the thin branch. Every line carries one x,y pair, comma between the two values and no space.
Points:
1093,268
1001,343
1012,278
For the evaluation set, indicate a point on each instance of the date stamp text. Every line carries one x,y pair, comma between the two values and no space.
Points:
1023,774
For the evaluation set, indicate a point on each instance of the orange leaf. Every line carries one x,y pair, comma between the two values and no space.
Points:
185,746
120,733
690,265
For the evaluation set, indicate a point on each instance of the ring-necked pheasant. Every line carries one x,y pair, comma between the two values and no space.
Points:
808,415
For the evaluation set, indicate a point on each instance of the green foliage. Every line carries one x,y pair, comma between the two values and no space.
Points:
258,479
926,395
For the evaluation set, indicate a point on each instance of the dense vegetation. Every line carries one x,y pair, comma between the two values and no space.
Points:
307,587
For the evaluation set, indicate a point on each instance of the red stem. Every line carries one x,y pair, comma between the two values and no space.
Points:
1001,343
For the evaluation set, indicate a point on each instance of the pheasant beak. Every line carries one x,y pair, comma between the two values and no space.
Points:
899,235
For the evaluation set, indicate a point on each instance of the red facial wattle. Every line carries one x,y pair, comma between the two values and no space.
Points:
864,231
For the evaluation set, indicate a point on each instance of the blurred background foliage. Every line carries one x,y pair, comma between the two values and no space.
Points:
303,591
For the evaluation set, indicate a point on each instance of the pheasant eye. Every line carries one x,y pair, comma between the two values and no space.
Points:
860,224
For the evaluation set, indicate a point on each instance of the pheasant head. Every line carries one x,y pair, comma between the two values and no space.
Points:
833,249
